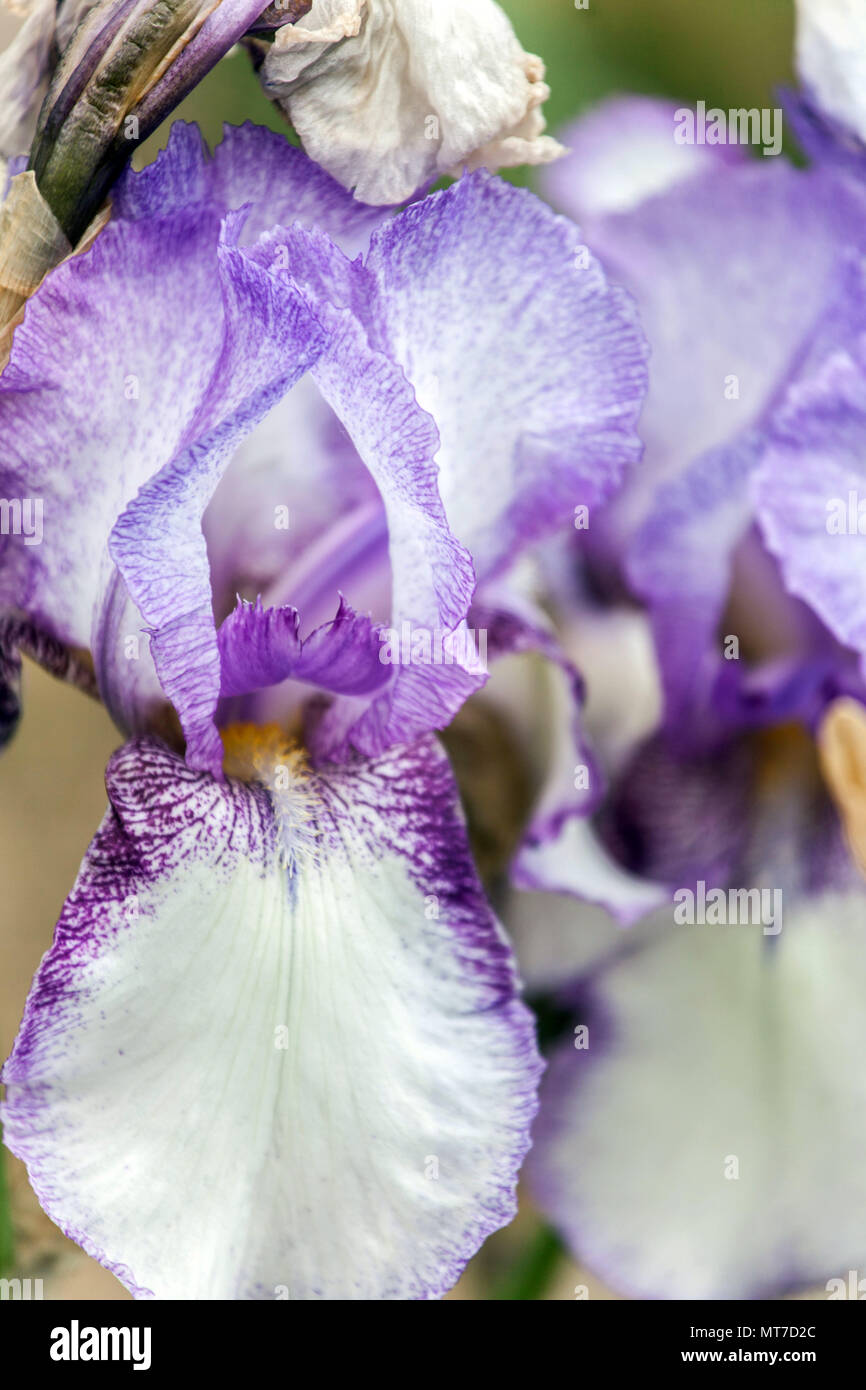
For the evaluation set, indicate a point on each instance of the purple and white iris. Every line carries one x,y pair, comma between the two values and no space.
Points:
277,1043
294,456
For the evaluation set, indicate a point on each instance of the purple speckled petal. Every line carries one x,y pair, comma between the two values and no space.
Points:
684,1153
531,363
250,166
262,646
78,444
518,440
276,1048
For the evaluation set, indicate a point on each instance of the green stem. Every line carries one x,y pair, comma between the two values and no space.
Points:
532,1273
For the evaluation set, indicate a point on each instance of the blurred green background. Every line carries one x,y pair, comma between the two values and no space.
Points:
733,52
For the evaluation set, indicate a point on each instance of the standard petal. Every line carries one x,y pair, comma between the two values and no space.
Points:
432,577
531,363
697,533
275,1050
78,442
269,341
706,1142
142,427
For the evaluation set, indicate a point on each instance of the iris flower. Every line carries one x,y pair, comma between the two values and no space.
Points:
277,1049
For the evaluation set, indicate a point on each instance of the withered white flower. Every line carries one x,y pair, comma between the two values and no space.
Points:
389,94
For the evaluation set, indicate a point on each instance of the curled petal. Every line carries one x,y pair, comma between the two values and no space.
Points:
262,646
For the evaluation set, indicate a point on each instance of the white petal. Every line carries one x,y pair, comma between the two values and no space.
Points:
708,1143
275,1050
